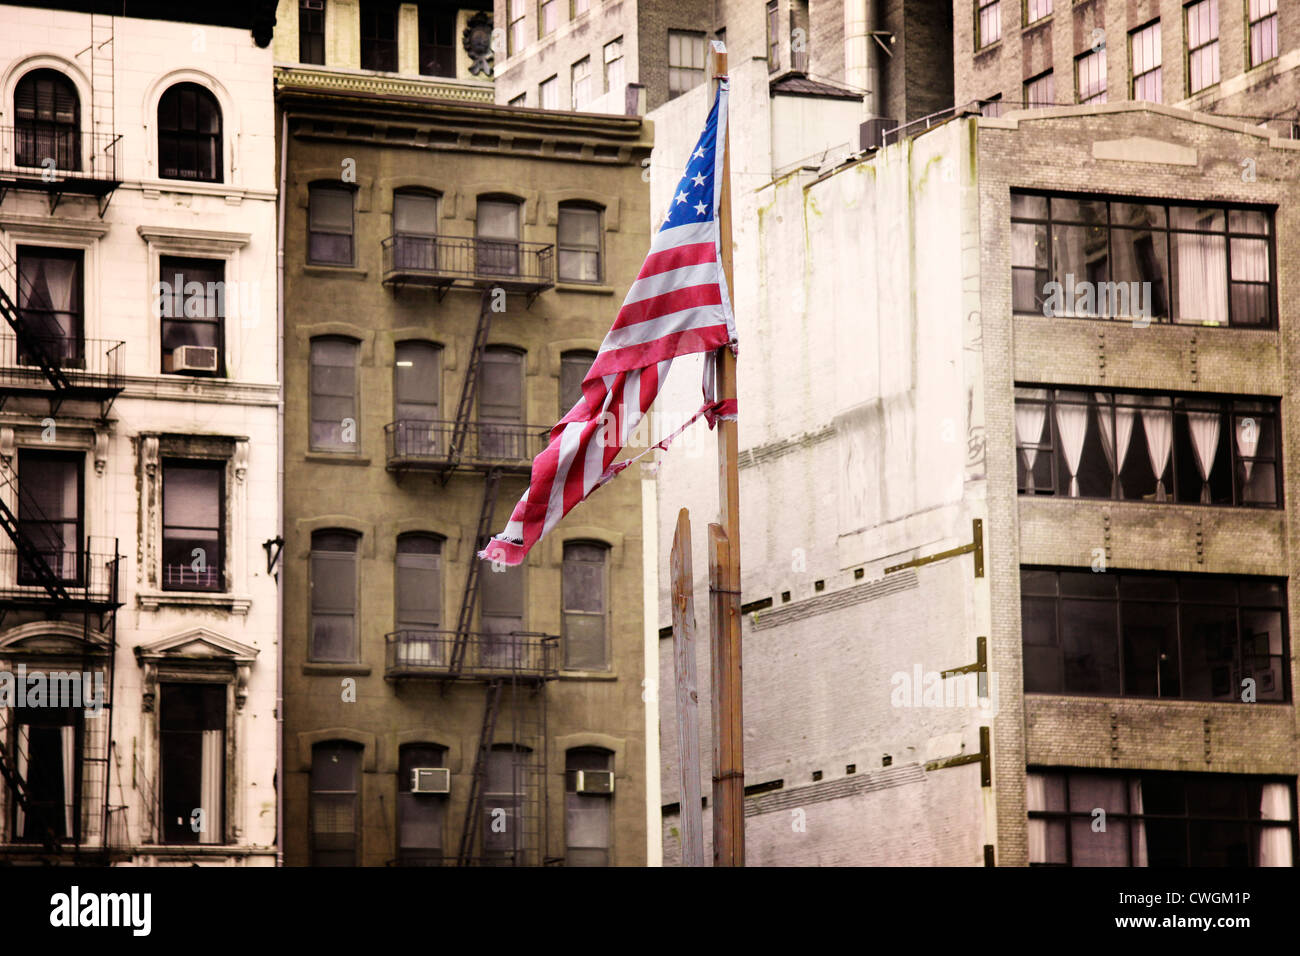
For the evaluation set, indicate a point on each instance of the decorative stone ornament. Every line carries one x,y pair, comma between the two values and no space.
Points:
477,40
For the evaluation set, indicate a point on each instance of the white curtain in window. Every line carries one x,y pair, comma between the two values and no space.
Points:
1138,834
1204,427
1072,423
1159,426
1029,430
68,735
1202,278
22,747
1247,444
211,756
1036,799
1275,842
1115,435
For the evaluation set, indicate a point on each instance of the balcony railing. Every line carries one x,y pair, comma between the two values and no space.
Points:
86,575
442,261
54,159
429,445
429,653
91,366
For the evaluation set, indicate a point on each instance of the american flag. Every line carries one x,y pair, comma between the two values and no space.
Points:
678,304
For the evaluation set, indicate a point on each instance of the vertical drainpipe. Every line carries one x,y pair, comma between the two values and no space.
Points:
861,56
279,511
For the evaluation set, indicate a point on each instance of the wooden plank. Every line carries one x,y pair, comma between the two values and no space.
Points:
688,698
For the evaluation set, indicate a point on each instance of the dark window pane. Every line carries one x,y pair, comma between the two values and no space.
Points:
1209,638
1090,647
1088,584
1150,635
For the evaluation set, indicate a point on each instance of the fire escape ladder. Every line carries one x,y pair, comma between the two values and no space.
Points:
28,554
474,806
465,622
460,430
27,343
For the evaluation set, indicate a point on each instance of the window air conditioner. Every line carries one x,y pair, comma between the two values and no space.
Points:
594,781
430,780
194,358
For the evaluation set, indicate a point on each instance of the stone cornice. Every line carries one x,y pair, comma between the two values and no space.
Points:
383,84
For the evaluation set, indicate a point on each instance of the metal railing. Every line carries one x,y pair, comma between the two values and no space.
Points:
420,652
441,260
86,574
90,364
53,154
413,443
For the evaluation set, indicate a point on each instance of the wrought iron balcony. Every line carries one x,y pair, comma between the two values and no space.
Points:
433,654
434,445
443,261
53,159
87,578
91,368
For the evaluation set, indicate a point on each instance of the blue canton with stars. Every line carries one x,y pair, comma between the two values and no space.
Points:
693,199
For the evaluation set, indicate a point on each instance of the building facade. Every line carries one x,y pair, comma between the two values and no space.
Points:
138,439
450,269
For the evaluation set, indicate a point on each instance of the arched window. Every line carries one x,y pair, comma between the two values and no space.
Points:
330,224
585,597
334,394
415,230
335,799
47,121
502,433
496,230
189,134
418,600
578,242
416,391
334,596
505,794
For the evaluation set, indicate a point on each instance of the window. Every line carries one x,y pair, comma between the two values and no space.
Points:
415,231
579,7
992,106
334,596
1188,636
1202,44
501,595
334,394
614,65
685,61
47,753
1040,91
311,31
420,816
1125,259
416,390
1090,76
329,224
50,301
501,404
573,369
1035,10
437,50
1263,31
419,586
1186,449
548,93
193,309
520,100
50,515
585,595
1158,819
193,529
578,241
335,786
548,15
379,35
586,814
496,226
189,134
517,39
504,792
1144,49
773,37
47,120
988,23
192,762
580,83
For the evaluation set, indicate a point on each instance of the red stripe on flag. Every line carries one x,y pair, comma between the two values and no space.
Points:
678,300
666,260
651,353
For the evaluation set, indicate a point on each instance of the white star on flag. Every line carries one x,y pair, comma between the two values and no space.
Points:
681,197
698,154
701,208
699,179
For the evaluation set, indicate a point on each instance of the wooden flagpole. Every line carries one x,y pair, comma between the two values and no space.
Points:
687,695
724,573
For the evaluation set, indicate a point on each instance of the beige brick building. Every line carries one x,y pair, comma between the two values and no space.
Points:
450,269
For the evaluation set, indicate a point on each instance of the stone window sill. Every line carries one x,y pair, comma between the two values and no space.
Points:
336,668
153,600
592,289
588,675
337,272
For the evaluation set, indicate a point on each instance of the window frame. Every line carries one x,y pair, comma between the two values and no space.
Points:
354,558
603,615
168,268
1135,77
439,583
572,357
609,61
1183,583
74,717
1189,50
321,187
1029,84
166,834
77,461
1095,62
357,756
580,82
1044,8
772,19
516,36
308,39
383,52
993,21
677,72
598,249
30,132
173,140
77,307
1253,21
547,10
218,467
343,447
437,804
574,801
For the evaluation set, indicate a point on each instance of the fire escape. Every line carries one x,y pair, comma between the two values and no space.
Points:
73,582
506,814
